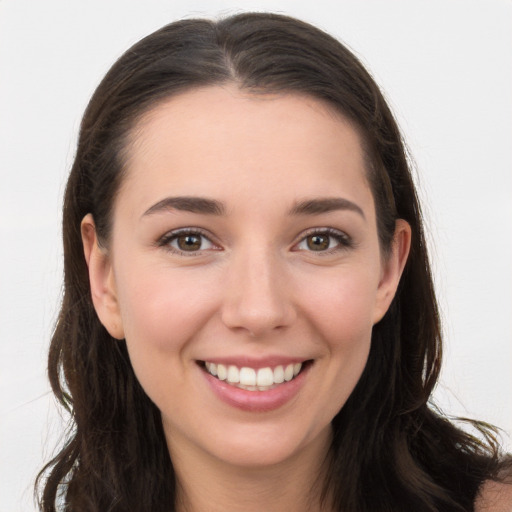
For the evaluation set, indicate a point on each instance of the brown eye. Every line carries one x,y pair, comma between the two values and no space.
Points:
189,242
324,241
318,242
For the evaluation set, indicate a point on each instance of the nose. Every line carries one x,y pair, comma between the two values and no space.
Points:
258,298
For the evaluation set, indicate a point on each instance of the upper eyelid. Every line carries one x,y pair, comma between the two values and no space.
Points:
173,233
187,230
346,241
322,230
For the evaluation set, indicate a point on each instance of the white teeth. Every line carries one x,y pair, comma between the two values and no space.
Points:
251,379
278,374
265,377
233,374
212,368
222,372
247,376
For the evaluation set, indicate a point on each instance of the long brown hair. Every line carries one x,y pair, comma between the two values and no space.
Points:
391,450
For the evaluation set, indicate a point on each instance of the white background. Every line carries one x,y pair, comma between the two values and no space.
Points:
446,67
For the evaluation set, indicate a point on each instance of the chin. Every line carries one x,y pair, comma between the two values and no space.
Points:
258,447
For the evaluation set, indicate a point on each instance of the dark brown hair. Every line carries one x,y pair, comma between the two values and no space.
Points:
391,449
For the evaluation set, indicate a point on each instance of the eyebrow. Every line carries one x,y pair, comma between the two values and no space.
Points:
203,205
325,205
188,204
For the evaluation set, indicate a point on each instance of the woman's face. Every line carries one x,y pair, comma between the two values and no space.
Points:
244,246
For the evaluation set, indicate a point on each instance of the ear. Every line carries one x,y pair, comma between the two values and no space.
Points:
392,268
101,280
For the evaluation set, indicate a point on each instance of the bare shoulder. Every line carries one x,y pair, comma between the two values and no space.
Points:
494,497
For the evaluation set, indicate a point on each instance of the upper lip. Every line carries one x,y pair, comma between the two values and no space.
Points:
256,363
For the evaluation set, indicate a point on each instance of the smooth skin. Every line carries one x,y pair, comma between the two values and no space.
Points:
281,260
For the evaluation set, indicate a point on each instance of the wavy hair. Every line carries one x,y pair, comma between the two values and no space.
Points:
391,450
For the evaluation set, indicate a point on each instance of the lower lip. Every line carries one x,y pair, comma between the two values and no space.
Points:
257,401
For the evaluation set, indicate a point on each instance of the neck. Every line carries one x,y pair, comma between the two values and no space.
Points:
207,483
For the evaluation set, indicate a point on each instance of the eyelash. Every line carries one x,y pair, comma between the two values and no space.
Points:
170,237
343,240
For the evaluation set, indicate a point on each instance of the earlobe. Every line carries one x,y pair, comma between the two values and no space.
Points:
393,267
101,279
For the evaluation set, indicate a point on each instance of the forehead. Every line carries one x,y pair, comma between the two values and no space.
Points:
216,140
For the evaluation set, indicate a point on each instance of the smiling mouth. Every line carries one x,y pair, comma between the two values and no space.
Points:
251,379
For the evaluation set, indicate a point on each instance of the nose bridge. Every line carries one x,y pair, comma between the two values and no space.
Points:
256,296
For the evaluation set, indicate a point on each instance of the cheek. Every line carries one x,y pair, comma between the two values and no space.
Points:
162,307
341,315
162,312
342,307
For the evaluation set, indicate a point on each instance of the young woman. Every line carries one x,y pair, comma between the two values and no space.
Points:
249,321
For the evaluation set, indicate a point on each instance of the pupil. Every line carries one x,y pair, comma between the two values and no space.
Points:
318,242
189,242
